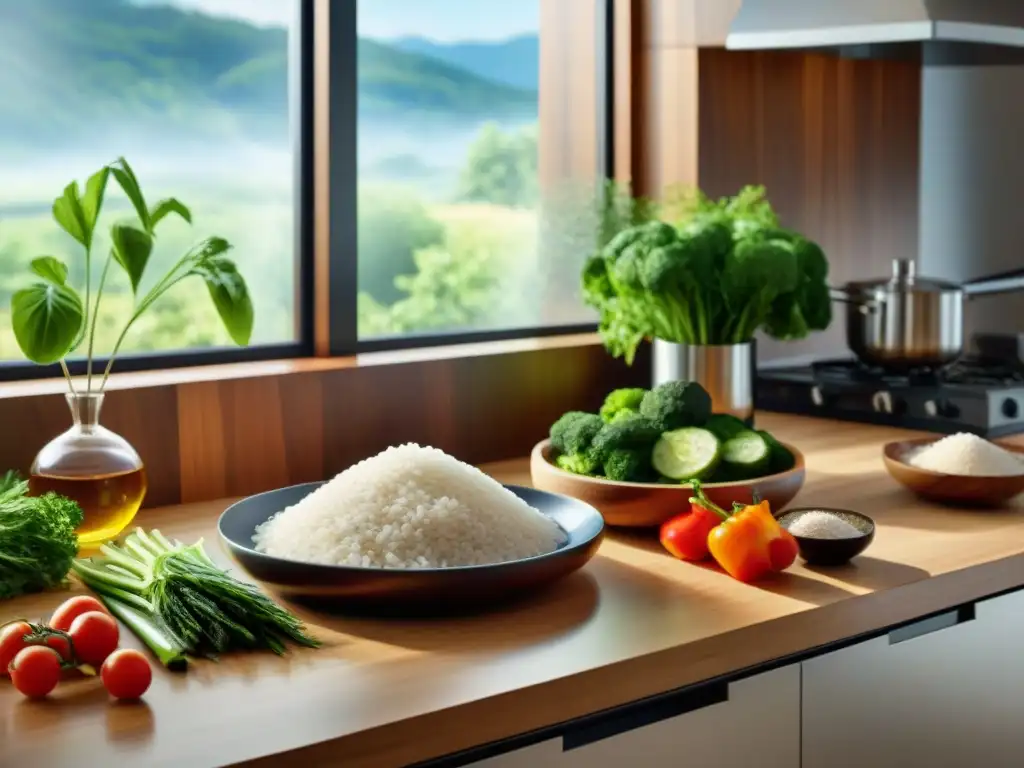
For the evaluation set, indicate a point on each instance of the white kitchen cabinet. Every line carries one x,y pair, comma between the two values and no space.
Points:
759,725
945,693
547,754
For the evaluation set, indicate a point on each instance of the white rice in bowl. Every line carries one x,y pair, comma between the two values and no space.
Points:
409,507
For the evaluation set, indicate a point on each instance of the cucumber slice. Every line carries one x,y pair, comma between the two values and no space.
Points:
747,454
687,453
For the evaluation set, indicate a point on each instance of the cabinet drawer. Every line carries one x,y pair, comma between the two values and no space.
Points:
547,754
757,724
945,693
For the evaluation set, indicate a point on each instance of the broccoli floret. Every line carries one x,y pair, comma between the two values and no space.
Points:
578,463
629,465
574,431
625,433
755,274
676,404
808,307
622,402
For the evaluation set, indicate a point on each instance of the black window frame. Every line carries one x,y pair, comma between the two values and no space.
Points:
340,67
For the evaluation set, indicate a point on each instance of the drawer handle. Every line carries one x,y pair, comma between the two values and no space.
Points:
613,722
946,620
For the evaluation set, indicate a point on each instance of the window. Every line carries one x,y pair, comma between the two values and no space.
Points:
196,95
472,146
454,222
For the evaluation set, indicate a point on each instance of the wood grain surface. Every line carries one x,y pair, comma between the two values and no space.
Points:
207,433
633,623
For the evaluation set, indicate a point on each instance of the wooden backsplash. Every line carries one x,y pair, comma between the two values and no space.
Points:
835,141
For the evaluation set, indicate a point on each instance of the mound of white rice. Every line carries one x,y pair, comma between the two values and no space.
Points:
409,507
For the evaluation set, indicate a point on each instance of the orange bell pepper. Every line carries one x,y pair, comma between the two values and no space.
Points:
749,542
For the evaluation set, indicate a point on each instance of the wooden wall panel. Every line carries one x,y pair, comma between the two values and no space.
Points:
281,425
835,141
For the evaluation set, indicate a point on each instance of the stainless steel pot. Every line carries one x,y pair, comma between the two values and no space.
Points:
726,371
906,321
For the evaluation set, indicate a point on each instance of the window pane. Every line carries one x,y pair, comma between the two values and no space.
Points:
196,95
452,231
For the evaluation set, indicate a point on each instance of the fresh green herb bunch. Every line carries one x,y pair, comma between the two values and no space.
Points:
180,603
37,538
50,318
725,271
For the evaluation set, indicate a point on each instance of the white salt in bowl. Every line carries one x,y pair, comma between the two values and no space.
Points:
951,488
817,547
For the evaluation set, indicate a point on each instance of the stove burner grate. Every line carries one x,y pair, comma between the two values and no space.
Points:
966,371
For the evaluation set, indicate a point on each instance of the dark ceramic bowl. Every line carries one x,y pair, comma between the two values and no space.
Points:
831,551
426,590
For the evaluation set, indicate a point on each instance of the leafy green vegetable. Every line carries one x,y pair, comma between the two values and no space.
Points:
37,538
50,320
677,404
622,402
184,603
574,431
631,465
631,432
724,272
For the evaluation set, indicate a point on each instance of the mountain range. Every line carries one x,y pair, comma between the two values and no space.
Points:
73,71
514,62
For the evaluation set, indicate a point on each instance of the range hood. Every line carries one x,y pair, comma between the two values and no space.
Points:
766,24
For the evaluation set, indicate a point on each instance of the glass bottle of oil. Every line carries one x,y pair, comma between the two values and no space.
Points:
94,466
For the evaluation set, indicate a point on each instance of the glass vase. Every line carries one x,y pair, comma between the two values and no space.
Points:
94,466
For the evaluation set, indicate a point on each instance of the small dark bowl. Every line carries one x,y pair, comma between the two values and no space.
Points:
831,551
423,590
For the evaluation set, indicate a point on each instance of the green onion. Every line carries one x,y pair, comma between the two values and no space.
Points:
179,602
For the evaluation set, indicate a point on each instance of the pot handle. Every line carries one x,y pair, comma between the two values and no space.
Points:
842,295
1005,282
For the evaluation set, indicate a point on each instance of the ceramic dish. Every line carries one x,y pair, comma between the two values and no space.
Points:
815,551
639,505
959,490
425,590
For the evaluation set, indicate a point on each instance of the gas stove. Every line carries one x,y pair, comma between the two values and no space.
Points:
983,396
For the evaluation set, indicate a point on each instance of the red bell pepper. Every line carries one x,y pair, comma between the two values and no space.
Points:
748,542
686,535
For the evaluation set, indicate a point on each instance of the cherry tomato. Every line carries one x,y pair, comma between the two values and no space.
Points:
95,637
12,640
35,671
60,644
126,674
71,609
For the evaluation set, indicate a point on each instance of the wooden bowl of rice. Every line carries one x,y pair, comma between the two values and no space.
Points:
954,477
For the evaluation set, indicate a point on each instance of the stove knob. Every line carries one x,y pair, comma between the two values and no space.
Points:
931,408
881,401
817,397
1010,408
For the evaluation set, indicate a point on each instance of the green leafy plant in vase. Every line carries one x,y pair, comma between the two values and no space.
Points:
52,320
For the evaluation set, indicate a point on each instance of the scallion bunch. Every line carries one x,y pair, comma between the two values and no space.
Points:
180,603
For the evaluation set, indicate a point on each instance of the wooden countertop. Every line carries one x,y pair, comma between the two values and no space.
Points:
634,623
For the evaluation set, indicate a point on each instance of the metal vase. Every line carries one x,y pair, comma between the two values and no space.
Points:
726,371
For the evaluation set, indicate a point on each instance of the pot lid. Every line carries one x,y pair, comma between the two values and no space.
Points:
905,277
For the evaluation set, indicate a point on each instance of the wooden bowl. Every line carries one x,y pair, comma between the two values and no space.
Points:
957,490
638,505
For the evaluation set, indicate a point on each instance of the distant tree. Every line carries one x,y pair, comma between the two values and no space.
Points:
501,167
392,225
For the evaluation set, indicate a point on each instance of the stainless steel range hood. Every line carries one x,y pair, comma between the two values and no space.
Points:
764,24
